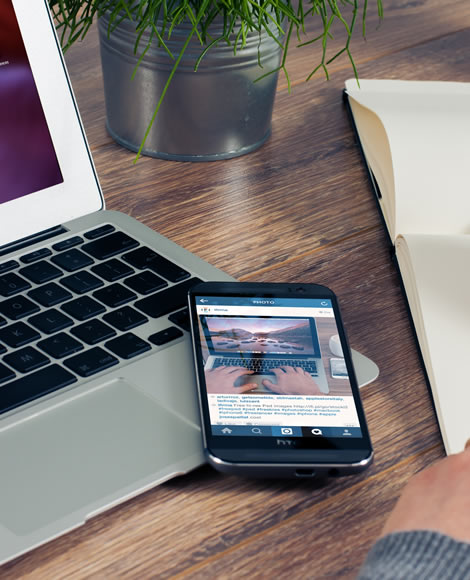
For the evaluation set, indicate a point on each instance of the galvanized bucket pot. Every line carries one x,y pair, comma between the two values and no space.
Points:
215,113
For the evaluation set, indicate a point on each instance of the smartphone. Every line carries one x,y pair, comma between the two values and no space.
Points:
269,407
338,368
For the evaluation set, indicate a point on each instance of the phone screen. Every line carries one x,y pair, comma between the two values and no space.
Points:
266,369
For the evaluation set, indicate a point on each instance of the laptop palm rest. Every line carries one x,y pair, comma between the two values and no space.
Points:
81,457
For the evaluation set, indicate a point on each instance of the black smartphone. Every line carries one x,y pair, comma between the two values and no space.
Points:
269,405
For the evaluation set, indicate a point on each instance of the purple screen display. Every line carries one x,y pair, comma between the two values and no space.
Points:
28,161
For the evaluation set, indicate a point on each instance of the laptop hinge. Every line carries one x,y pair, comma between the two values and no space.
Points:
30,240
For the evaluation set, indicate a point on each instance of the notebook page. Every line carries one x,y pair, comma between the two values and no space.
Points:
375,144
437,282
428,129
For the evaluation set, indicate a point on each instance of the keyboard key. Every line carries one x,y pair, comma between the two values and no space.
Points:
41,272
145,258
18,334
60,345
109,246
125,318
112,270
166,301
18,307
81,282
98,232
50,321
67,244
35,256
34,385
145,282
165,336
127,345
83,308
25,360
6,374
49,294
93,331
11,284
181,318
114,295
7,266
91,362
72,260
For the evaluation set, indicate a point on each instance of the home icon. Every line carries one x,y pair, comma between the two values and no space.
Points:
226,431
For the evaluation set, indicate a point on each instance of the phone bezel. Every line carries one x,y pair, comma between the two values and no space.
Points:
244,453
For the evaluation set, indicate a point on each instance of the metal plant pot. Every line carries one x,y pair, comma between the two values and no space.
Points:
215,113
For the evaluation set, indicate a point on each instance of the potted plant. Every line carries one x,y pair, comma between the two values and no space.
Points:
206,68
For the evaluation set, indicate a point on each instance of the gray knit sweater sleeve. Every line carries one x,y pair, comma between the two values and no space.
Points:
415,556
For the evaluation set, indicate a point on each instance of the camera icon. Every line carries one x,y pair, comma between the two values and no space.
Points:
286,431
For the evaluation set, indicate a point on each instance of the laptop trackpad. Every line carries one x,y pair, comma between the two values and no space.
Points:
88,453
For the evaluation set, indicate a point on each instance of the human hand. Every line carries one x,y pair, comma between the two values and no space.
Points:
221,380
436,499
292,381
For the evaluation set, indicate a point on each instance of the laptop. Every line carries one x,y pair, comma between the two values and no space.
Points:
262,344
97,395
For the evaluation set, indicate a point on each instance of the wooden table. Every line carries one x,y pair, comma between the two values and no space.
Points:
299,208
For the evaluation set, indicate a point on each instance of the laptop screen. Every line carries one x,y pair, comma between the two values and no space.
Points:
47,177
28,161
259,335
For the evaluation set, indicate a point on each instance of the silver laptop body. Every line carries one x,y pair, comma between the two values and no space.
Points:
122,415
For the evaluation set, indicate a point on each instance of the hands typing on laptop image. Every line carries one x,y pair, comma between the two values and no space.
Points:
285,381
270,348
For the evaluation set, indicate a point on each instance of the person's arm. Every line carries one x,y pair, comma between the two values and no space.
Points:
417,555
427,535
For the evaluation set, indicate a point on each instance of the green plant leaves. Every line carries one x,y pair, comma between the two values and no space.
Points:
156,19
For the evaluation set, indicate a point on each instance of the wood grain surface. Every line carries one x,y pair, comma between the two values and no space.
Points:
298,209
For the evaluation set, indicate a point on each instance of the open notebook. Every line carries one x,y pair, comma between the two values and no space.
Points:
415,137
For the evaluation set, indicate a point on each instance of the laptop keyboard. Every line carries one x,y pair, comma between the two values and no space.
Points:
68,311
266,366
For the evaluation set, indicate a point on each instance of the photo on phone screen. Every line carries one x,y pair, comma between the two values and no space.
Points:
267,368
